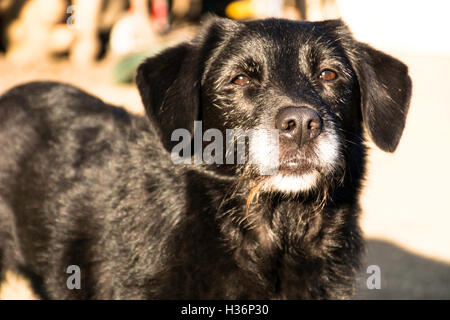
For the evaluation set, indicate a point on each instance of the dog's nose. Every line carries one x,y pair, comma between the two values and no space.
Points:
299,123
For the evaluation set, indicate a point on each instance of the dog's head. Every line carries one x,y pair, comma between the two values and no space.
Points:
312,83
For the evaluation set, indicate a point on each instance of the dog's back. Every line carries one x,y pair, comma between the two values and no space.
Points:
60,154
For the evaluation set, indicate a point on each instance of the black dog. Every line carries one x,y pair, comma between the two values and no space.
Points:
84,183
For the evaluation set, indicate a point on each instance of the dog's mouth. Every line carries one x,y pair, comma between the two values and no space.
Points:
295,167
291,175
296,164
281,165
300,169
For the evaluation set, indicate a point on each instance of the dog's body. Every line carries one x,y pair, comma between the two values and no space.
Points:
83,183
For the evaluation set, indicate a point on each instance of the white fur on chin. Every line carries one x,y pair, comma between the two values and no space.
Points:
291,183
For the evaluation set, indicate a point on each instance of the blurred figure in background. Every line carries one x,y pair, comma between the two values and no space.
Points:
134,30
84,21
35,33
135,26
36,30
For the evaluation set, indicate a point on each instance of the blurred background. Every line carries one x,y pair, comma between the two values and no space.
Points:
97,45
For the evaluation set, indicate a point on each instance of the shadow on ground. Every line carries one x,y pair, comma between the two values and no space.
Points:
404,275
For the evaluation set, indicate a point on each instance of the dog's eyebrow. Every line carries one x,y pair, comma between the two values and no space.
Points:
250,64
322,53
245,64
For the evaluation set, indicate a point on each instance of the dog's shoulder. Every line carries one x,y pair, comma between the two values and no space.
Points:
59,99
49,122
62,110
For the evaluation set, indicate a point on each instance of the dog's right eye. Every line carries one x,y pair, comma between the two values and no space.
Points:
328,75
240,80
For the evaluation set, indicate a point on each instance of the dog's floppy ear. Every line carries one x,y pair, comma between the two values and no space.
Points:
170,82
169,88
385,87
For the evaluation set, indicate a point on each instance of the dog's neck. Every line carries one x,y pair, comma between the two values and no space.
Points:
267,219
282,237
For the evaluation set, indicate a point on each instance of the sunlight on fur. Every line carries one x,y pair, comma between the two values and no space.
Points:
16,287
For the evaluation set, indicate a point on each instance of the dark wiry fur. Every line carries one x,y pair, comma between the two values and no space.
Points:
84,183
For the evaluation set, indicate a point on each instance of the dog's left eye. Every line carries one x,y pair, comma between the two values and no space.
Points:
328,75
241,80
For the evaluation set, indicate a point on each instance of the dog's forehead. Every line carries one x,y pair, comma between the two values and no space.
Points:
276,46
288,39
286,32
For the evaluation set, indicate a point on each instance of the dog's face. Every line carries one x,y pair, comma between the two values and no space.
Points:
311,83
